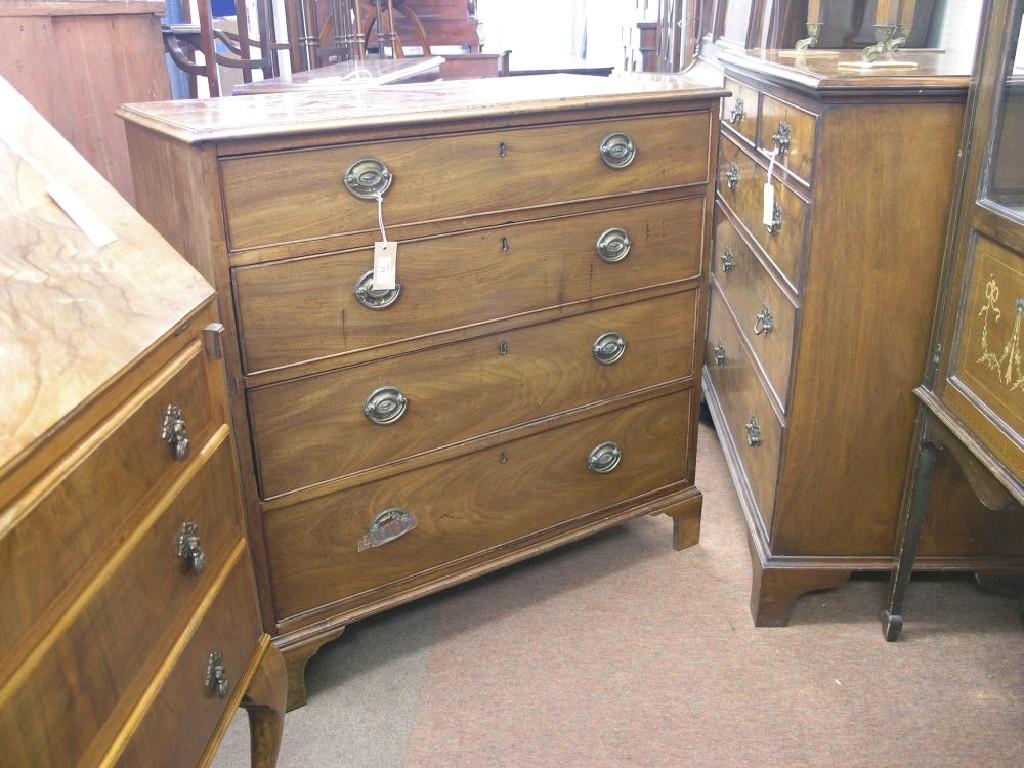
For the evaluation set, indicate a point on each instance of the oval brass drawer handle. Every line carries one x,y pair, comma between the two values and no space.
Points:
385,405
391,524
728,262
175,433
719,354
372,299
776,224
764,323
216,675
618,150
190,548
613,245
367,178
753,428
604,458
609,348
736,113
732,176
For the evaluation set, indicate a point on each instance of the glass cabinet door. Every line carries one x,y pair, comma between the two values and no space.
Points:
1004,177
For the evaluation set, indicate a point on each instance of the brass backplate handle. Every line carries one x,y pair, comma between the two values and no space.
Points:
385,405
613,245
783,137
175,433
719,354
753,428
776,224
372,299
736,113
618,150
728,262
216,675
604,458
609,348
367,178
391,524
732,176
764,323
190,548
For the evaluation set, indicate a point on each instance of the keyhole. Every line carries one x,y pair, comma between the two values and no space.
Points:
503,348
503,459
504,245
502,149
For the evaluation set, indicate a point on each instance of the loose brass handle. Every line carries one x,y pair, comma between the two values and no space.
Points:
216,675
609,348
782,137
732,176
190,548
385,405
719,354
764,323
367,178
387,526
613,245
736,113
727,260
604,458
618,150
175,433
371,299
776,223
753,428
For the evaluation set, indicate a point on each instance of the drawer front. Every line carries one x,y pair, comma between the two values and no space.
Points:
741,186
767,317
739,111
308,309
316,428
177,726
63,523
743,400
471,504
989,359
791,131
78,690
285,197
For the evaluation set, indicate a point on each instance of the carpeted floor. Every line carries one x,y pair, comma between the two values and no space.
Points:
619,651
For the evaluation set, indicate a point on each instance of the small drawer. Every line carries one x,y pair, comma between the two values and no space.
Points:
791,131
750,419
317,428
347,544
767,316
741,185
312,308
739,111
71,518
113,641
310,194
177,726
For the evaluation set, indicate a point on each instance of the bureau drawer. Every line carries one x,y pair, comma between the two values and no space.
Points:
308,309
740,110
741,186
284,197
174,730
111,642
791,130
68,520
316,428
471,504
750,419
767,317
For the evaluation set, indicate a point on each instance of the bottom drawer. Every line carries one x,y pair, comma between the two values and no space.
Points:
317,549
175,729
752,422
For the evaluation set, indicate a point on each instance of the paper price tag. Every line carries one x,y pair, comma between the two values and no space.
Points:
768,217
385,258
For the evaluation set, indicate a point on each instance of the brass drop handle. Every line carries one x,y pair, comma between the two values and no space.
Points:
764,323
732,176
371,299
782,137
391,524
385,405
719,354
367,178
727,260
175,433
604,458
613,245
736,113
216,675
190,548
609,348
753,428
776,223
618,150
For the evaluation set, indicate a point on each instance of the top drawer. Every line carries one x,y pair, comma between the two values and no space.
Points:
739,111
284,197
789,130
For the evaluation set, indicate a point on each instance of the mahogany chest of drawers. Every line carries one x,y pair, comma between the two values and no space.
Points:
131,626
821,308
530,379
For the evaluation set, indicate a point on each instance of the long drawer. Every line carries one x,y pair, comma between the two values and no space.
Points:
319,427
471,504
741,185
767,316
71,514
176,727
752,423
302,195
308,308
113,639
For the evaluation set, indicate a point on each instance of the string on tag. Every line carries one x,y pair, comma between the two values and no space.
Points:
771,163
380,216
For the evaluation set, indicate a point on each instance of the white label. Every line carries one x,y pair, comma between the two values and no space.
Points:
80,213
385,257
768,216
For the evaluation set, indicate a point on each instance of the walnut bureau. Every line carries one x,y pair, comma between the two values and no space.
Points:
530,379
820,312
131,626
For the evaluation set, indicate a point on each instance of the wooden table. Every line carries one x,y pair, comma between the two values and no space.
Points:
349,74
